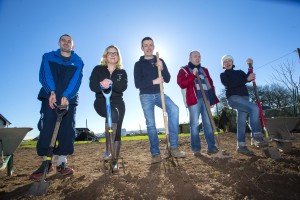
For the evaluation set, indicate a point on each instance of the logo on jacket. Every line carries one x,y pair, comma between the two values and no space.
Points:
119,77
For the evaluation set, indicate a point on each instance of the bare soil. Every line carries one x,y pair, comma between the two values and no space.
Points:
239,177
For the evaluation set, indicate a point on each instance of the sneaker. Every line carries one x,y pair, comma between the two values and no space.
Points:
106,155
197,154
156,159
213,151
244,150
38,174
258,141
63,169
176,153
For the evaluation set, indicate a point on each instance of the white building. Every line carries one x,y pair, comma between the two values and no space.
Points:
4,123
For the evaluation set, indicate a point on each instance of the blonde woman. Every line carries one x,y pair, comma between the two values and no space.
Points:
110,72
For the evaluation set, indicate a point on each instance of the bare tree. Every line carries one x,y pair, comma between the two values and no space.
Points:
272,96
222,103
284,74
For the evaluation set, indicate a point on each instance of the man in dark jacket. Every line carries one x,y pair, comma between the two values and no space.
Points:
146,79
60,74
187,80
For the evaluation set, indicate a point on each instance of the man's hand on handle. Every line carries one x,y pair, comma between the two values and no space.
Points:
158,80
251,76
52,100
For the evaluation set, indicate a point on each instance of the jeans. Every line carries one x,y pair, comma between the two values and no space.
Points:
195,111
148,101
245,107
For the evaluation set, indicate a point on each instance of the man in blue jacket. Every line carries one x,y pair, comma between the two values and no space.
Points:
146,79
60,74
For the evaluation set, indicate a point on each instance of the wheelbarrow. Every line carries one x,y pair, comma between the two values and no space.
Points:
280,131
10,139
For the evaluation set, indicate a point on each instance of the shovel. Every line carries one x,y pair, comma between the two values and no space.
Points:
221,153
110,129
269,151
165,115
108,113
40,188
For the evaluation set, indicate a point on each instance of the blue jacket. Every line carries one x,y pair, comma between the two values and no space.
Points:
145,72
63,77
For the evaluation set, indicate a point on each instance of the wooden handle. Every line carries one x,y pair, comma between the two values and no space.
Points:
211,119
207,104
165,115
157,59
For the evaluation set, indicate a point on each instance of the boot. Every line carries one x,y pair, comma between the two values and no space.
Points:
112,135
107,154
117,152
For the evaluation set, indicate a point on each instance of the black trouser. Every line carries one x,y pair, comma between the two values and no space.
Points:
66,133
117,114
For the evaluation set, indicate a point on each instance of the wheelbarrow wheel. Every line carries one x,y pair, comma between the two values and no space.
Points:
10,166
284,143
285,147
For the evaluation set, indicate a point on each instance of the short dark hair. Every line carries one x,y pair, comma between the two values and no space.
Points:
65,35
146,38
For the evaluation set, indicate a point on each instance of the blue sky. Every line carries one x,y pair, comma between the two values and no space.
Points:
263,30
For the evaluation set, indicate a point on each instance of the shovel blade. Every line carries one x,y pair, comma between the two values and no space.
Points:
272,152
38,188
221,154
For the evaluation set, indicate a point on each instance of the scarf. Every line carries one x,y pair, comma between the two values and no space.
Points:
203,77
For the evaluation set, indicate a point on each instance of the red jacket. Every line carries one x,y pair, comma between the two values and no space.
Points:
186,80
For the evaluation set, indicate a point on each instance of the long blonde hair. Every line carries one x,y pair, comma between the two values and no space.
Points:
104,55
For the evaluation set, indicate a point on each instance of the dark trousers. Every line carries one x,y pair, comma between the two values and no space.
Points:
66,133
117,114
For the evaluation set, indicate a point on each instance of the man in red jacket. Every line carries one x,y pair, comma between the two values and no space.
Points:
187,80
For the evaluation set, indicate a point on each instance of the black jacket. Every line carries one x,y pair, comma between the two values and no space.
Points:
234,82
118,77
145,72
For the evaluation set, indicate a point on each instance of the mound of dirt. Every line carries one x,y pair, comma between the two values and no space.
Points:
239,177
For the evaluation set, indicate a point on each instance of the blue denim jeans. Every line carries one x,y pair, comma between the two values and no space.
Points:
195,111
245,107
148,102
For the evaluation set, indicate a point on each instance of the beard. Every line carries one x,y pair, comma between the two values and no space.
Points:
66,49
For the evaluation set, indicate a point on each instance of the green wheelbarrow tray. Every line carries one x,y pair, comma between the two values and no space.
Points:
10,139
280,129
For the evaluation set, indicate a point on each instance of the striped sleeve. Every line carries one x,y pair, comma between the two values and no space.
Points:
45,75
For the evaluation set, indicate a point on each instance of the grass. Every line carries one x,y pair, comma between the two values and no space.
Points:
32,144
145,137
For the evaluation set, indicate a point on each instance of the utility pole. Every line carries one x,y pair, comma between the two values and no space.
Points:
140,129
298,52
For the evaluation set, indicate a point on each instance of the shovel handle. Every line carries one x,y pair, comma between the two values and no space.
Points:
207,105
165,114
106,94
262,118
212,122
108,108
60,111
